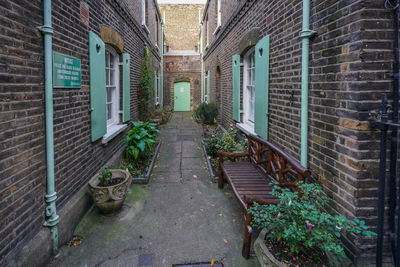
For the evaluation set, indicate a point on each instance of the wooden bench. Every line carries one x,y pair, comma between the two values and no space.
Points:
251,176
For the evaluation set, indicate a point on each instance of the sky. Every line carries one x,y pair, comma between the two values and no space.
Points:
182,1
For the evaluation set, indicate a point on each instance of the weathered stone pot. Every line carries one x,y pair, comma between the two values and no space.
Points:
109,199
264,256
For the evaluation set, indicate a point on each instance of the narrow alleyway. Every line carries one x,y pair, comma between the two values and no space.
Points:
179,217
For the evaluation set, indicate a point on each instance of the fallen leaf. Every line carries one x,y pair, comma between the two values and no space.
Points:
220,214
194,176
226,193
225,241
201,209
155,166
212,261
162,178
234,220
213,205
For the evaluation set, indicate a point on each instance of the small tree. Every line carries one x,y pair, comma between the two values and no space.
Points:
145,92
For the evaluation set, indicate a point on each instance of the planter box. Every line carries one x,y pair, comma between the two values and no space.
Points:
264,256
214,179
145,180
109,199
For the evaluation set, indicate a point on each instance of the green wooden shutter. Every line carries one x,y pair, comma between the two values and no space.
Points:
155,88
97,63
126,87
261,87
202,86
236,86
208,87
160,90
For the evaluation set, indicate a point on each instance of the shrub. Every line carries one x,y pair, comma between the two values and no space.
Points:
300,223
207,112
224,142
140,139
146,84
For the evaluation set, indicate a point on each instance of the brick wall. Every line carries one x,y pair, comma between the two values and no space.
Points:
182,26
22,134
182,69
350,69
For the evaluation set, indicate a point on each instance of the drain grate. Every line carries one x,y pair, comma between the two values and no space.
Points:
185,138
206,264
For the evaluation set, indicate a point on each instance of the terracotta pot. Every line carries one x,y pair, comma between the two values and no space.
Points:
264,256
109,199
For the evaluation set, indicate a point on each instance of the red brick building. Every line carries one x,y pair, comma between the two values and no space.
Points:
182,57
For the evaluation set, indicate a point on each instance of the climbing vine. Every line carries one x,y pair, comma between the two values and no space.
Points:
145,91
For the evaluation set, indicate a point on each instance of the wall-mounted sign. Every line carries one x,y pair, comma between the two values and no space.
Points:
67,71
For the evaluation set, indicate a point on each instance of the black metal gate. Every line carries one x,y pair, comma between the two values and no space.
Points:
394,199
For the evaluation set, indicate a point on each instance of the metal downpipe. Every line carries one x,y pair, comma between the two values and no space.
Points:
51,212
394,145
306,34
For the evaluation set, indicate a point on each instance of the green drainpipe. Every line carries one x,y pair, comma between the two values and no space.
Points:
306,34
162,67
51,212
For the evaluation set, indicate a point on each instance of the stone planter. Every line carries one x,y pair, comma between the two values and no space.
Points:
110,198
264,256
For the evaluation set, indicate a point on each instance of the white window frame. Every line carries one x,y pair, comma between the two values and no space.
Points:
144,16
218,3
114,120
248,85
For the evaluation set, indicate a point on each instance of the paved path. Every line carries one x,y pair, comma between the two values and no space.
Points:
179,217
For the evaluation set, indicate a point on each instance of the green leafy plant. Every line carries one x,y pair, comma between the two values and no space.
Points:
145,91
207,112
225,142
105,176
140,139
301,224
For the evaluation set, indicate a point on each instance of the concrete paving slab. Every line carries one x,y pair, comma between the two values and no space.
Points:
177,220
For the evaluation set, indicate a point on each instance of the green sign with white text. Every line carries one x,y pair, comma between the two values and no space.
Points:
67,72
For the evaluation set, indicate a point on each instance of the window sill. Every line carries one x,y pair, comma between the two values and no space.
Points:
145,28
112,132
217,30
246,128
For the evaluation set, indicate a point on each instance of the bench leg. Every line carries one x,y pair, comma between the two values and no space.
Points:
220,178
247,236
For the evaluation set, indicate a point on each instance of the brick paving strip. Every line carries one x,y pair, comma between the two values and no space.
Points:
180,217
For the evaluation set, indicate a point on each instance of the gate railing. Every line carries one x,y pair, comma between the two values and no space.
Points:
384,125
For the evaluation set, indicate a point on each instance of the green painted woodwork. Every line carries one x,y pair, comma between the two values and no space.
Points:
208,87
306,34
52,218
126,87
97,62
236,86
261,87
182,96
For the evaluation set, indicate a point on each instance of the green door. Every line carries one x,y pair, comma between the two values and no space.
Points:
182,96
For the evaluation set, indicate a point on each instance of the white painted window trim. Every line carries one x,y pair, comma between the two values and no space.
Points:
219,15
113,125
115,95
246,95
144,26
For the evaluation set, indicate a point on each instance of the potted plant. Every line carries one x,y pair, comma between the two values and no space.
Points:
298,232
109,189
